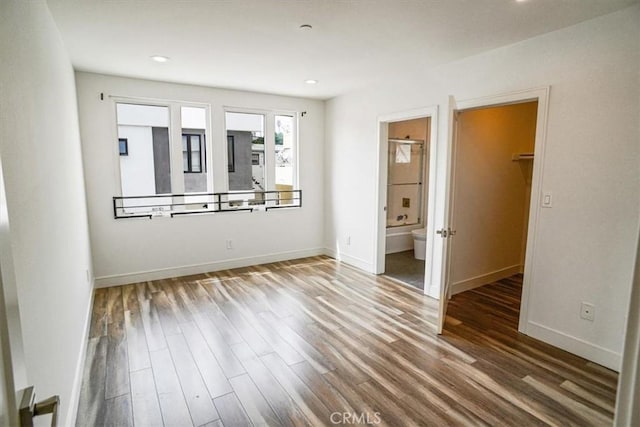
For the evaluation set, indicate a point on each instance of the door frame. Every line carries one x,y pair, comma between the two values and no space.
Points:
381,190
541,95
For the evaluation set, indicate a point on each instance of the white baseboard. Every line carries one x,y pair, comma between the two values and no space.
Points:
582,348
77,381
484,279
186,270
351,260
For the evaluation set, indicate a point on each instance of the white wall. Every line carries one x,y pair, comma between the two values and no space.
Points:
40,150
585,243
133,249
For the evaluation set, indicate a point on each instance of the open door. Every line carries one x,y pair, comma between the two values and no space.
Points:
17,401
446,232
12,370
4,393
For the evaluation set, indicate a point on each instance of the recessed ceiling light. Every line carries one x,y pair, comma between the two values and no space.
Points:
306,27
160,58
311,81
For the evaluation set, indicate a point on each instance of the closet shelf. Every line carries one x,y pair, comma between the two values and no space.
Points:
521,156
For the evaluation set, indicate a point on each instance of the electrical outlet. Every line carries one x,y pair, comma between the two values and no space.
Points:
587,311
406,202
348,240
229,244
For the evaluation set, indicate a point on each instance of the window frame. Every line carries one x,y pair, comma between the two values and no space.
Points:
115,100
269,143
231,148
295,149
175,129
214,152
126,146
202,150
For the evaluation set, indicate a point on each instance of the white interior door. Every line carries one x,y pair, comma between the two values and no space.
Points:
13,377
446,232
4,395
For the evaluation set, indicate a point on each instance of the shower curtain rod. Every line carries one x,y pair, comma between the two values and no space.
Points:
406,141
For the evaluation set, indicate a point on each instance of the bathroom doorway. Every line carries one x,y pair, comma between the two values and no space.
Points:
406,178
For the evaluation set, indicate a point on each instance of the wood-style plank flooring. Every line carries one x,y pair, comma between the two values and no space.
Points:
314,342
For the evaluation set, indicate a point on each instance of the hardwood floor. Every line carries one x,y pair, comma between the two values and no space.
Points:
314,342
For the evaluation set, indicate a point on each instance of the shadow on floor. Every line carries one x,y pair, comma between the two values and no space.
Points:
404,267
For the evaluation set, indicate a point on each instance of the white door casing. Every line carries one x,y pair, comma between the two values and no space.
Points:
542,96
381,194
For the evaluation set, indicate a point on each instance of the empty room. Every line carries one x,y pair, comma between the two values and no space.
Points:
269,212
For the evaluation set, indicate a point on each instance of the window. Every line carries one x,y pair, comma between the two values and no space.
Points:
192,153
145,169
159,164
255,159
150,161
123,145
285,156
231,156
194,150
247,133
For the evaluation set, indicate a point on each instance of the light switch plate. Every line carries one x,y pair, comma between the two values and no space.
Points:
547,199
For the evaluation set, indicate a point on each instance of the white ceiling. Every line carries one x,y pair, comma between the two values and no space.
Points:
257,44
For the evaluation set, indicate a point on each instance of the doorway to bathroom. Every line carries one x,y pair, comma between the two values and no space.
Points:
405,198
405,232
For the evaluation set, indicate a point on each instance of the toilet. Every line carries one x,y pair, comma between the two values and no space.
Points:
419,243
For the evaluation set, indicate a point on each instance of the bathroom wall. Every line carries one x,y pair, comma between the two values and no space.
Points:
399,238
411,129
491,196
